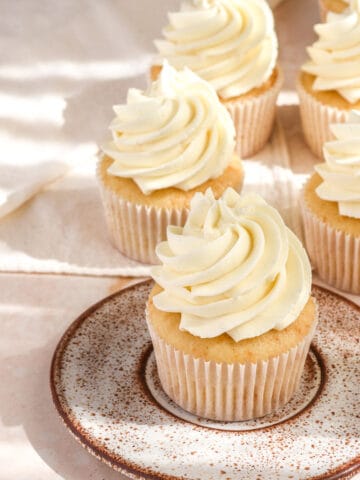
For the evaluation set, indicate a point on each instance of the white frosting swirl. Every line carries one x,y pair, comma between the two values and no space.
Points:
177,134
335,57
230,43
341,172
234,267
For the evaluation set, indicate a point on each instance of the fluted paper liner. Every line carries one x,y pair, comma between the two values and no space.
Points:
254,119
229,392
136,229
316,119
334,254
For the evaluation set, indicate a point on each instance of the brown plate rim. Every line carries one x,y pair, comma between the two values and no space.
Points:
345,471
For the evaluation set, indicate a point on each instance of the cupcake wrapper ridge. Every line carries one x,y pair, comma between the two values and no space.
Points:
316,119
334,254
135,229
254,119
229,392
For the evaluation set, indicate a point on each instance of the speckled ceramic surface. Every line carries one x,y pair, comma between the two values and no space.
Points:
105,387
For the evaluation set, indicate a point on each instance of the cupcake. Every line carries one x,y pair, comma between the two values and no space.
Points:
335,6
167,143
230,316
331,209
329,85
233,45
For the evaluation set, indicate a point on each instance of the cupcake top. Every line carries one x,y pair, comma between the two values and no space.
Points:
335,5
230,43
335,57
175,134
341,171
233,268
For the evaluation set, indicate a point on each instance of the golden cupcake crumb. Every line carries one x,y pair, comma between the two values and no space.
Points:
223,348
172,197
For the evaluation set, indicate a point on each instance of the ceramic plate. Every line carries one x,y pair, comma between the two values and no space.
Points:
106,389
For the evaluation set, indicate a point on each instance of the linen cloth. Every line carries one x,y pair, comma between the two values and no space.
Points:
21,180
60,74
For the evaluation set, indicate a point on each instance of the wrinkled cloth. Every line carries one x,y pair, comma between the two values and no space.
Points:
19,181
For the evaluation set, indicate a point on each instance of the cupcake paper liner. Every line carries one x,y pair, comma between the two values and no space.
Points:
135,229
316,119
254,119
334,254
229,392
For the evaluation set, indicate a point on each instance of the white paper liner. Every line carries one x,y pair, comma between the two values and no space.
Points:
334,254
136,229
229,392
254,118
316,119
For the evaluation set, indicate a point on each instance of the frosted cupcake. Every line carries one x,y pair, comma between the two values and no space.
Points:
335,6
331,209
230,315
329,85
167,143
233,45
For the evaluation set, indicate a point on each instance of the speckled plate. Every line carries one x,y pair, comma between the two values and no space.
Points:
105,387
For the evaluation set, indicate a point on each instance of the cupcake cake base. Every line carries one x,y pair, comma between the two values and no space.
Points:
220,379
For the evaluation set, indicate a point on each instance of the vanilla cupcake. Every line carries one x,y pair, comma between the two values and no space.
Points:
167,143
335,6
233,45
331,209
230,315
329,85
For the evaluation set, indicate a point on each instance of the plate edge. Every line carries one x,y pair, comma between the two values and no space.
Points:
343,472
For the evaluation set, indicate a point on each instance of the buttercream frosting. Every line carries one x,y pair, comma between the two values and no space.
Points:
335,56
233,268
176,134
230,43
341,170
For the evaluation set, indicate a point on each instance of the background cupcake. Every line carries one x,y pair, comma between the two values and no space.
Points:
331,209
329,85
233,45
335,6
167,143
230,316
